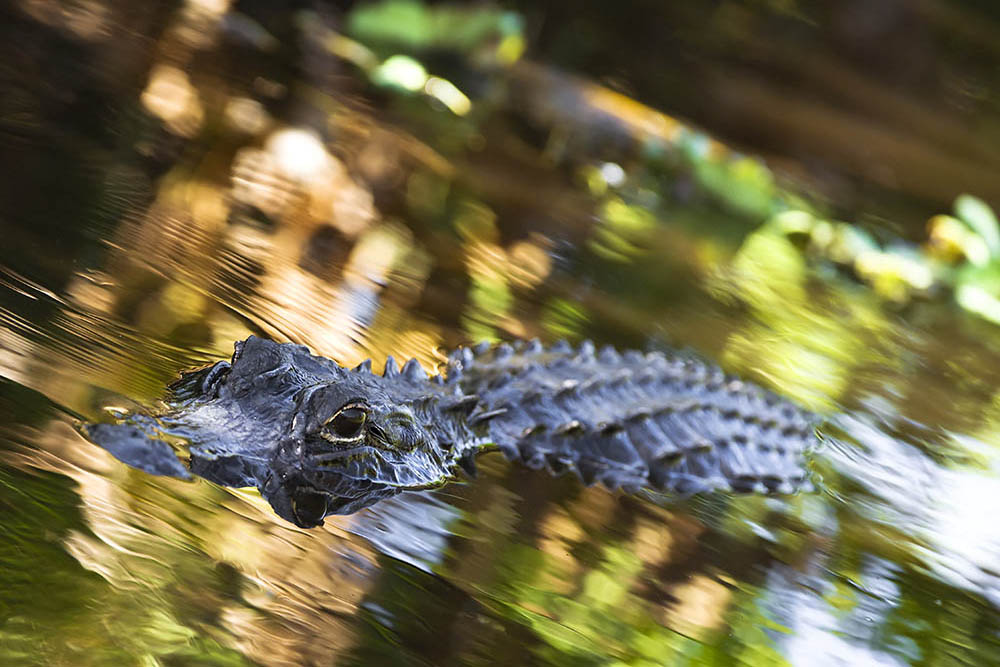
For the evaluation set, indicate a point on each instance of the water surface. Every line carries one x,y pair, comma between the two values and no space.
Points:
179,189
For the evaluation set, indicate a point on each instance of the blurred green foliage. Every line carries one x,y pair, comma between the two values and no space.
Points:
421,27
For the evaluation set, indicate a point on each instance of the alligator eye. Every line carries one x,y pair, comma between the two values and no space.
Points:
348,422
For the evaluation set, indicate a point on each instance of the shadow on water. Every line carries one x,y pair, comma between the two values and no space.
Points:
320,178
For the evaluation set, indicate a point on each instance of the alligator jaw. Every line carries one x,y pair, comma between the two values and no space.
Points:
295,499
303,490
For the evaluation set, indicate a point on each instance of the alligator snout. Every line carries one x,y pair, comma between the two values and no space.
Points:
304,495
294,500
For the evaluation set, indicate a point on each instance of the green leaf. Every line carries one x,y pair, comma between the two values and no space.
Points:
980,217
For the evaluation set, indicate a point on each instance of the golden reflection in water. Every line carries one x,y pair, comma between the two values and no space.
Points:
90,20
152,540
655,541
194,27
246,115
293,244
495,271
300,155
559,532
529,261
207,242
701,604
589,586
171,97
15,349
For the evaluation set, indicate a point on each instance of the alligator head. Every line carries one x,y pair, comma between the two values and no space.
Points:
347,444
313,437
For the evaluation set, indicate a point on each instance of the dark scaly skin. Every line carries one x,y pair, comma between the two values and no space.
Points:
318,439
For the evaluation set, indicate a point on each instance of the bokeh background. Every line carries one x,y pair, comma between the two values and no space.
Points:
802,192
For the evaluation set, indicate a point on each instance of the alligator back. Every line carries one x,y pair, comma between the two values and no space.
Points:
636,420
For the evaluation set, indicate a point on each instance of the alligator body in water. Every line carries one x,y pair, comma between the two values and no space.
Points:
318,439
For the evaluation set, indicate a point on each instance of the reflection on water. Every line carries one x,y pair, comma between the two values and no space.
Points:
234,184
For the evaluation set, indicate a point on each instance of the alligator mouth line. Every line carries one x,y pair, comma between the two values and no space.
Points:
340,454
333,460
331,498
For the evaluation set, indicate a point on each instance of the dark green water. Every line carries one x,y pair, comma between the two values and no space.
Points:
177,177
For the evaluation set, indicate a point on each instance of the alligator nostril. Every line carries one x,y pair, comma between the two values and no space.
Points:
309,507
213,378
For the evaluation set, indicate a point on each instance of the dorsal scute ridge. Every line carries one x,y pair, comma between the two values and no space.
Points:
561,347
464,404
633,357
561,353
532,367
608,355
669,418
412,370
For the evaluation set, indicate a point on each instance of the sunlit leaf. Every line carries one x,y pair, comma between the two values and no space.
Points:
950,239
414,25
402,72
977,214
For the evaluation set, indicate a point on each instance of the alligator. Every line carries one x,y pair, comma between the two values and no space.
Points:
317,439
